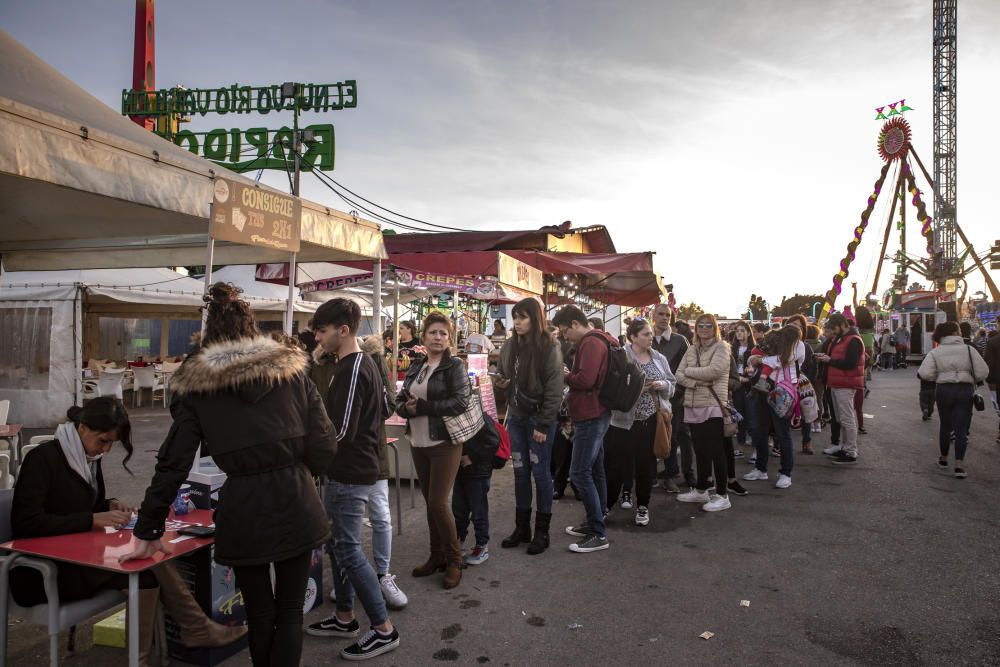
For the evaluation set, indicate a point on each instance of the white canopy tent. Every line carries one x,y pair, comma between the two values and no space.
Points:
54,321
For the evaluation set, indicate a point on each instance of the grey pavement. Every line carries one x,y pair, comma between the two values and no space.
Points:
890,562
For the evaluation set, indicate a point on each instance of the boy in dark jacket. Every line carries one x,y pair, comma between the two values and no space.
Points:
470,496
358,407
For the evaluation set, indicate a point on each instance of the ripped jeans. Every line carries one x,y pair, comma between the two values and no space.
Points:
530,459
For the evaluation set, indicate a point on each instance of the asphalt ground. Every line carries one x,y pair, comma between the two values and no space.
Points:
889,562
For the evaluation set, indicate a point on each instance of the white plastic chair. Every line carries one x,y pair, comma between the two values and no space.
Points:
57,617
39,439
27,448
109,382
4,411
145,378
6,479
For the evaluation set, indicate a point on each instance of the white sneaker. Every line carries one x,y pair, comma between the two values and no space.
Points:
784,481
394,598
717,504
627,500
694,496
754,476
832,450
642,516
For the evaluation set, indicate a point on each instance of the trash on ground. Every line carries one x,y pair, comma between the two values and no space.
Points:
744,603
707,635
574,626
868,416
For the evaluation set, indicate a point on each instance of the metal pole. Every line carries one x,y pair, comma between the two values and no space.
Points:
208,279
395,327
290,306
377,297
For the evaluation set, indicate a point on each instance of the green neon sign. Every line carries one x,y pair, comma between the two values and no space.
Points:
237,99
260,148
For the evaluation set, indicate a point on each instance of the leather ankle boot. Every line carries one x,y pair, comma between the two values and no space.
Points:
522,529
540,542
197,630
452,576
435,563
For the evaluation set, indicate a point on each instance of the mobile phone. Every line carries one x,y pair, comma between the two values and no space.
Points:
197,531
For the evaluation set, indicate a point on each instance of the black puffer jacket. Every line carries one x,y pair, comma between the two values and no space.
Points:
448,393
263,421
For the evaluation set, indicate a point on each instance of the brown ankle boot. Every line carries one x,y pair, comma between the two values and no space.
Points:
197,630
452,576
148,598
435,563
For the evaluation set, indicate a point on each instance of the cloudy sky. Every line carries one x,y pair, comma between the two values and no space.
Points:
734,139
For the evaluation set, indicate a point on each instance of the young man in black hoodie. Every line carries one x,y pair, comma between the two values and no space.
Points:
357,404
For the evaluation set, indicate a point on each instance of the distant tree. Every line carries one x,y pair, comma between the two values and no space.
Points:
758,307
799,303
689,311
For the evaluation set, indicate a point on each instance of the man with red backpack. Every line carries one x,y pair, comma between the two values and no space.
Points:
590,422
845,376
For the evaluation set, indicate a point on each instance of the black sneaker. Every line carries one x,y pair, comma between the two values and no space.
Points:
590,543
737,488
583,530
372,644
334,627
842,459
960,473
942,464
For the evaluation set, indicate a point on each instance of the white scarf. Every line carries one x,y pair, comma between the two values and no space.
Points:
76,456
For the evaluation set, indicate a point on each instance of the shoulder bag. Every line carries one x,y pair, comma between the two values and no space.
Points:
978,402
462,427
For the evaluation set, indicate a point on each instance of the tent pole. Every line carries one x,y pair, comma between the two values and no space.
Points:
377,297
395,327
78,346
289,308
208,280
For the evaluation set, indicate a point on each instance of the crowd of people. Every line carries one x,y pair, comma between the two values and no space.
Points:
668,405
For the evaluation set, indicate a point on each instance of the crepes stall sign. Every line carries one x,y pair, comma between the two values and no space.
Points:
254,216
478,287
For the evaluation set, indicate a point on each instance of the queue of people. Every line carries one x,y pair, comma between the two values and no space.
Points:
275,419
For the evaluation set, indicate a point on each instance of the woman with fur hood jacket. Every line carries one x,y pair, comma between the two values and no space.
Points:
249,401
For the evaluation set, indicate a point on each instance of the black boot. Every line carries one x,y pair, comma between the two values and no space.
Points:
522,530
541,540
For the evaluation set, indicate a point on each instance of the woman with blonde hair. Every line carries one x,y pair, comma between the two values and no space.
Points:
704,373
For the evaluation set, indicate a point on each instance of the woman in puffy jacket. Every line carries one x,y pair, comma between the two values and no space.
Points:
704,373
248,400
956,368
436,386
629,441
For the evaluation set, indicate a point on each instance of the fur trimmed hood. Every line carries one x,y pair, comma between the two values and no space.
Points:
321,357
229,365
372,344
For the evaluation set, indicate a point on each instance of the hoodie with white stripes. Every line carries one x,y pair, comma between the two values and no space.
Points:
357,409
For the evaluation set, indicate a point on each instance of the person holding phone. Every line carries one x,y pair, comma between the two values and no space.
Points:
60,490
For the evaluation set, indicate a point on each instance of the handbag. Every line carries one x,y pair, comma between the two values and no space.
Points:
730,418
978,402
464,426
664,434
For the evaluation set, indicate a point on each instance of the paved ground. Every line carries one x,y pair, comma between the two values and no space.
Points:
890,562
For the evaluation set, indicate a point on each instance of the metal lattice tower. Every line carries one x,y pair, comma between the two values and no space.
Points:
945,138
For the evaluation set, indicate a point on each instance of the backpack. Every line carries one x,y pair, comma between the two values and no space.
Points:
503,451
784,398
623,382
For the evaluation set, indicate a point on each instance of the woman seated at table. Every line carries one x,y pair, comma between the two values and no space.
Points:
60,490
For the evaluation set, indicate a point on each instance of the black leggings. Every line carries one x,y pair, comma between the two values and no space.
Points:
629,454
274,619
709,448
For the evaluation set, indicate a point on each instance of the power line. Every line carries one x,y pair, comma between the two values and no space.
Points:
405,217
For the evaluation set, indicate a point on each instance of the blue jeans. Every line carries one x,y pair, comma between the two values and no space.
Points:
345,505
587,469
782,438
530,459
470,499
381,518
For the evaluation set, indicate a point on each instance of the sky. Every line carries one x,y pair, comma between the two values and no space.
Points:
736,140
